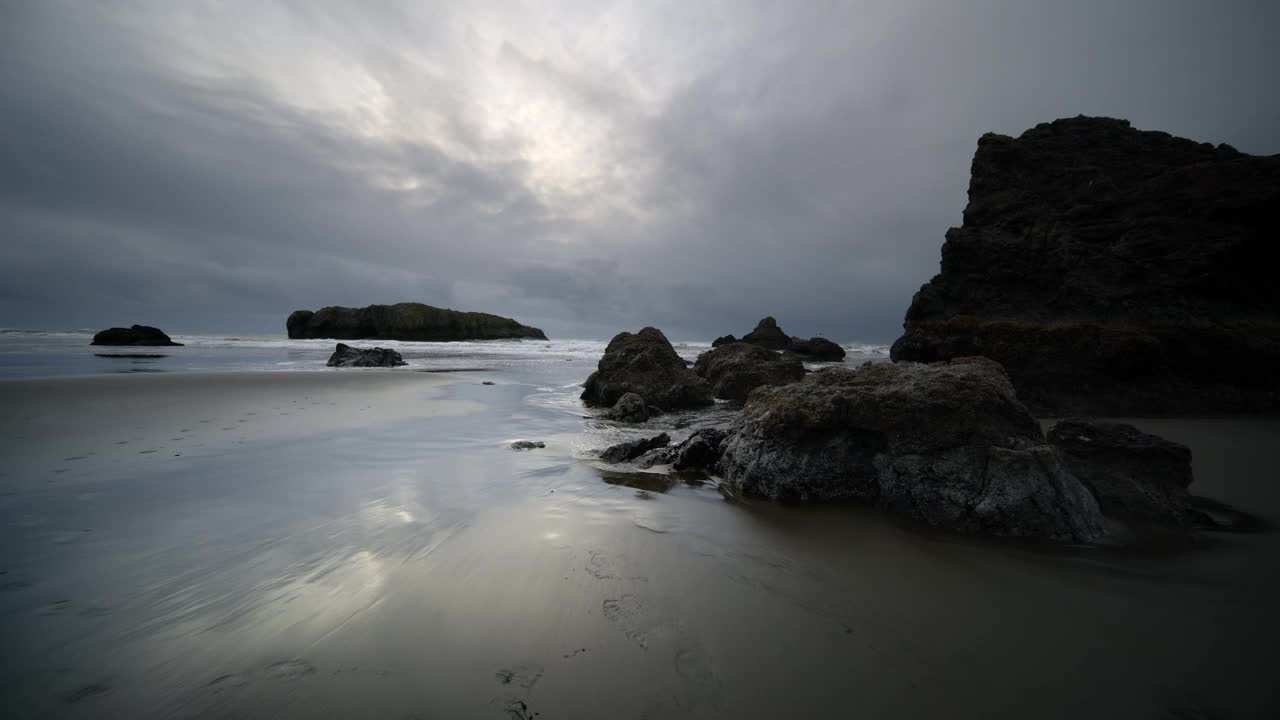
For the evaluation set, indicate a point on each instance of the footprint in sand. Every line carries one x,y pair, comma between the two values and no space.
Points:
290,669
630,615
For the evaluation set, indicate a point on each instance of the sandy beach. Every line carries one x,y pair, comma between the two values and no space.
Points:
367,544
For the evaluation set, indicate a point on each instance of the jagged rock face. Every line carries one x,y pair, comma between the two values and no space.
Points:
405,321
1136,476
767,335
736,369
644,363
347,356
134,335
1112,270
629,408
723,340
816,349
947,444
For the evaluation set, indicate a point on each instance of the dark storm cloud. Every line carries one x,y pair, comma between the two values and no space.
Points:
581,166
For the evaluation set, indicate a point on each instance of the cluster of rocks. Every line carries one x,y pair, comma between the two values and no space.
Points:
347,356
768,335
136,335
1099,269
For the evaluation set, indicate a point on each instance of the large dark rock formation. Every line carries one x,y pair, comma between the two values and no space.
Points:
734,370
1112,270
644,363
135,335
1136,477
947,444
347,356
405,321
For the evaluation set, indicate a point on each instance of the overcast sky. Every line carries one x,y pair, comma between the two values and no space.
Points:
586,167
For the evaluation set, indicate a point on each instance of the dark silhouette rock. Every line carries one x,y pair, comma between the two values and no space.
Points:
1135,476
768,335
817,349
347,356
1112,271
723,340
622,452
405,321
947,444
134,335
527,445
736,369
629,408
644,363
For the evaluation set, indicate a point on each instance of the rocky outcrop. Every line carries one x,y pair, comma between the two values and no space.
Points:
816,349
1136,477
644,363
632,449
736,369
768,335
405,321
947,444
1112,271
347,356
527,445
629,408
134,335
700,452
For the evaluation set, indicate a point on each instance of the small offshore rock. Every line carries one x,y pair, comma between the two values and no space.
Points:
767,334
723,340
134,335
346,356
527,444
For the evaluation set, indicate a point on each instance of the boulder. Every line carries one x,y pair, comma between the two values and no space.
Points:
644,363
527,445
816,349
723,340
630,450
734,370
1135,476
1112,271
700,452
629,408
767,335
134,335
405,321
347,356
947,444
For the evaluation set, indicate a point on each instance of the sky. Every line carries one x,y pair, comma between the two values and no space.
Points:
585,167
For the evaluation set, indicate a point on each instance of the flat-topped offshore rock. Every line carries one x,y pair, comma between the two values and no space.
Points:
947,444
405,321
1112,271
347,356
134,335
644,363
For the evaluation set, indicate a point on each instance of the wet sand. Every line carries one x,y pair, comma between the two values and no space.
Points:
388,555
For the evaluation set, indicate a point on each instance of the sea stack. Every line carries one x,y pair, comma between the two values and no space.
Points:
405,321
139,335
1112,271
